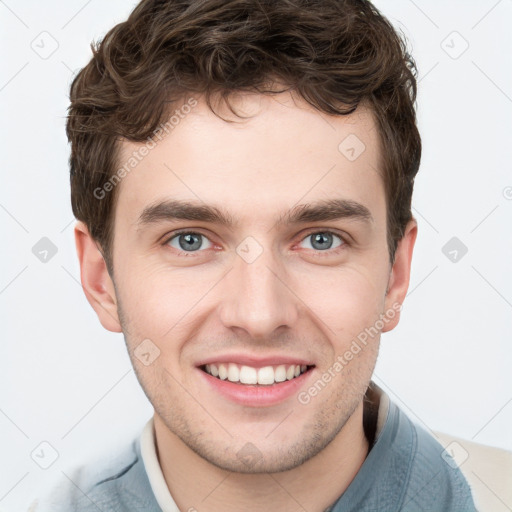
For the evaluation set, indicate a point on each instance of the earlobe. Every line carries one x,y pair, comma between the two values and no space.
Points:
96,281
399,276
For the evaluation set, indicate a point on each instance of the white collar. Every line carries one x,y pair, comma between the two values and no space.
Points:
154,471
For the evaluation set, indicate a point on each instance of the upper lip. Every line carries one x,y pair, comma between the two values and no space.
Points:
255,361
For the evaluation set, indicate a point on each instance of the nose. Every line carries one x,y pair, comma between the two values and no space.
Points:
258,298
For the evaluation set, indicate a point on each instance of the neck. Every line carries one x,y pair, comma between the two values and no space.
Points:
195,484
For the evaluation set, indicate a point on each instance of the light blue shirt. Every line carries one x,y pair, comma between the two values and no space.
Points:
404,471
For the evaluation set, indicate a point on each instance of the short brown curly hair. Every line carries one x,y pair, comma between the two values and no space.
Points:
335,54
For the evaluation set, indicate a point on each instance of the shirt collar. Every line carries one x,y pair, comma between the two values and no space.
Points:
153,469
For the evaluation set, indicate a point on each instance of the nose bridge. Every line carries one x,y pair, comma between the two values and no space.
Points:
257,298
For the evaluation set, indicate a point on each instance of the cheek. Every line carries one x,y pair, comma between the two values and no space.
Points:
346,299
160,303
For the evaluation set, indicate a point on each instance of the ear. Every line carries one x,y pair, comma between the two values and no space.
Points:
96,282
398,282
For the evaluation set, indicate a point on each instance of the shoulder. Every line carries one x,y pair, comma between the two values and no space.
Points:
434,480
115,484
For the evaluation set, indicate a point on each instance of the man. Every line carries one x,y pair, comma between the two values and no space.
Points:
242,173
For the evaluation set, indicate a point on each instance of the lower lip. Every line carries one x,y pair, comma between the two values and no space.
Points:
254,395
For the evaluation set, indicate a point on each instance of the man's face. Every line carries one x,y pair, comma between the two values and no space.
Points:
260,292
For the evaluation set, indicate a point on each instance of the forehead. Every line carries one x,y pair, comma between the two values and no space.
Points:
284,153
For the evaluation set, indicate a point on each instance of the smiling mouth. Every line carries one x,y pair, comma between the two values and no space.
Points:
248,375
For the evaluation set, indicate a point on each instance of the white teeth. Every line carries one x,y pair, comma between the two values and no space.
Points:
280,373
267,375
248,375
223,372
233,373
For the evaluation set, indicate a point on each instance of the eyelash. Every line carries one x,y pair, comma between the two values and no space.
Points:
328,252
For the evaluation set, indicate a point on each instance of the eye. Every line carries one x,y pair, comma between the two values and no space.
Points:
188,241
192,241
323,241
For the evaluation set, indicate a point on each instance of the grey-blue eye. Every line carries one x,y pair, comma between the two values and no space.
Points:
188,241
323,240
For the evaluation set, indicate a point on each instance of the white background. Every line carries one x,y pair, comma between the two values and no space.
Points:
67,381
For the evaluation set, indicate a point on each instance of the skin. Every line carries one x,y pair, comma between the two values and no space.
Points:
293,299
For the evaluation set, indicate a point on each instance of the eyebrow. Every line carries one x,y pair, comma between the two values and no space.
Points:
332,209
